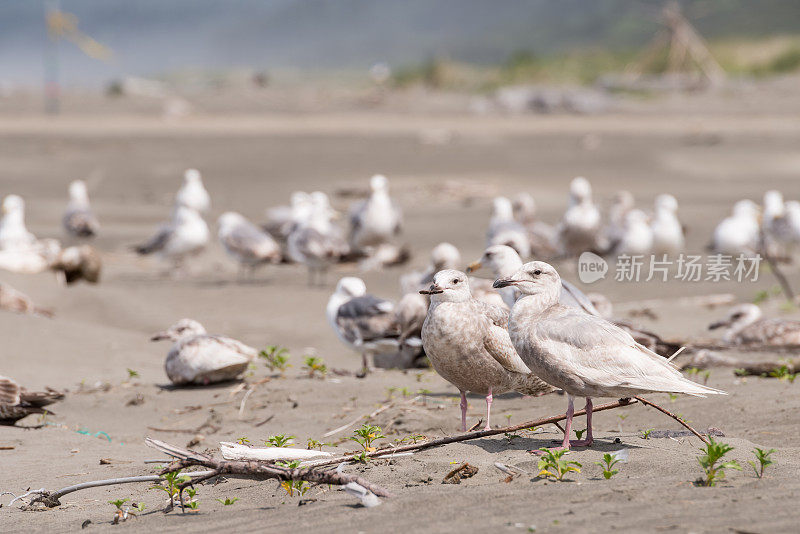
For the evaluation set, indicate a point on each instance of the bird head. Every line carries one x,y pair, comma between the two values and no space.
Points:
533,278
181,329
350,286
192,176
502,260
449,286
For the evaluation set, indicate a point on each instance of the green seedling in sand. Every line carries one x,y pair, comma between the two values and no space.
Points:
118,503
760,297
365,435
608,463
413,438
740,371
763,458
228,501
692,371
315,365
783,373
508,419
710,462
672,397
314,444
276,358
243,441
361,457
551,464
293,486
706,375
579,433
132,374
646,433
121,514
172,481
193,503
280,440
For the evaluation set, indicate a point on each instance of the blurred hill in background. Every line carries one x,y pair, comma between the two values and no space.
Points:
156,36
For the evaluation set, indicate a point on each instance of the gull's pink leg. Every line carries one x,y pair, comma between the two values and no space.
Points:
589,439
567,426
463,412
488,410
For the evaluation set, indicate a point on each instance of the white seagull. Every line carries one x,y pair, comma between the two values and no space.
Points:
200,358
316,242
376,220
505,230
738,233
14,235
363,322
79,220
637,238
579,227
192,193
666,228
582,354
246,243
542,236
185,235
467,343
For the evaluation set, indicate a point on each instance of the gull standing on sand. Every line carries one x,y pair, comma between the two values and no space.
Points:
185,235
621,203
79,220
582,354
192,193
778,234
13,233
542,236
579,227
363,322
667,230
200,358
738,233
744,325
377,219
281,220
17,402
505,230
246,243
637,237
316,242
467,343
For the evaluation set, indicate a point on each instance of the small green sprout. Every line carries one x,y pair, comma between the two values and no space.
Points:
763,457
193,503
672,397
132,374
280,440
365,435
709,461
740,371
315,365
118,503
277,358
646,433
783,373
139,507
413,438
228,501
706,375
551,464
579,433
609,461
243,441
361,457
172,481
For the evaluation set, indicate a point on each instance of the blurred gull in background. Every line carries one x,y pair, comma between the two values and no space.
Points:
192,193
79,220
246,243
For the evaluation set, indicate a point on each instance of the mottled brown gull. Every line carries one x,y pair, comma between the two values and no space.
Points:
246,243
744,325
17,402
468,345
582,354
197,357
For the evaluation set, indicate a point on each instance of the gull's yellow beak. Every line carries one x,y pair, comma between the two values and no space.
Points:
474,266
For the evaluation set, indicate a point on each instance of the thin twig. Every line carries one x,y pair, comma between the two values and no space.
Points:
367,417
678,419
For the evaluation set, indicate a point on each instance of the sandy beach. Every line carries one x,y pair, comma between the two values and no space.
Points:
444,169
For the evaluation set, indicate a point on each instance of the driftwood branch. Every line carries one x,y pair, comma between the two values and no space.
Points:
257,470
678,419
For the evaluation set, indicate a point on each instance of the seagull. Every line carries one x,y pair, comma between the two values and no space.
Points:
17,402
18,302
192,193
778,231
637,238
744,325
363,322
505,230
316,242
467,343
31,259
246,243
185,235
504,261
738,233
443,256
667,230
375,220
79,220
793,220
578,230
542,236
583,354
77,263
281,220
13,233
200,358
621,203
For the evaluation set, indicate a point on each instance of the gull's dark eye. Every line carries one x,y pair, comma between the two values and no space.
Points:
455,280
736,315
537,272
